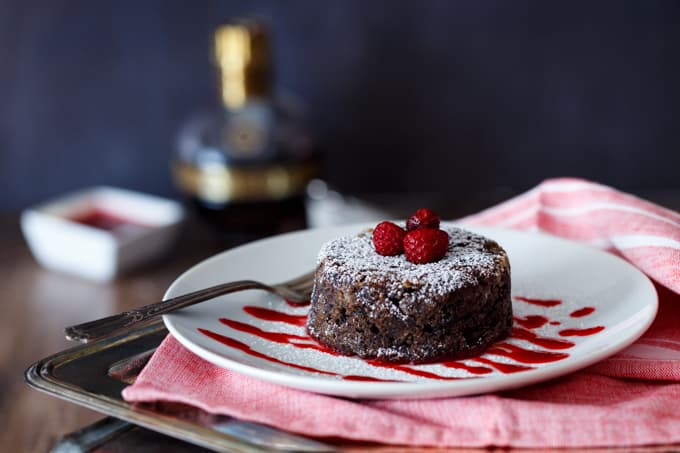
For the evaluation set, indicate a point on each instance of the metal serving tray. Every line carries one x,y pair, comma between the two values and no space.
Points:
93,375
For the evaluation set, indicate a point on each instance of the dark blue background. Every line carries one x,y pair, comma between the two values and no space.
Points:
443,96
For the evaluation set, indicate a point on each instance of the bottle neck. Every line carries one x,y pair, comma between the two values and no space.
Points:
237,88
242,59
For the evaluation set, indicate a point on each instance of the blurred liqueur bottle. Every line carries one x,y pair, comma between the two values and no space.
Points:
246,166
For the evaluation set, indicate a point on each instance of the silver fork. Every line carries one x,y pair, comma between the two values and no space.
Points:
297,290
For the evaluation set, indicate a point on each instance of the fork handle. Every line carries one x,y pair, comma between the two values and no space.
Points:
103,327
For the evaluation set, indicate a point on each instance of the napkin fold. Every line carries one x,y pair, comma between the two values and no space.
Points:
629,399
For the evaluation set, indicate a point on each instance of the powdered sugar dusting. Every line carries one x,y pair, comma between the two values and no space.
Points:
469,258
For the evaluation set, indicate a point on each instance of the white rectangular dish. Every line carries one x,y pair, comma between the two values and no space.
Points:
100,232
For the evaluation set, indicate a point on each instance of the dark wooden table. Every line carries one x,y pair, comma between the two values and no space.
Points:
36,305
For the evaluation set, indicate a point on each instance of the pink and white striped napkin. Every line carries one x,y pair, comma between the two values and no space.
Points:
630,399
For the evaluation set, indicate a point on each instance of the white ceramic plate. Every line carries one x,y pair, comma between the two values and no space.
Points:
592,305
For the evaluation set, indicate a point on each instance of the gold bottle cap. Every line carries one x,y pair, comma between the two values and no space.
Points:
242,56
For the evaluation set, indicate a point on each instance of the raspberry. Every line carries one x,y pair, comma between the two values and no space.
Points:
388,239
423,218
425,245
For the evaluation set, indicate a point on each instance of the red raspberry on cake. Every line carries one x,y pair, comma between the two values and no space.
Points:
423,218
425,245
388,239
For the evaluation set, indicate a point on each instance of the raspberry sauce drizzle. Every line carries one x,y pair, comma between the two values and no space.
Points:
248,350
299,341
267,314
412,371
531,321
506,368
293,303
539,302
523,355
354,377
581,332
295,340
545,342
553,348
472,369
585,311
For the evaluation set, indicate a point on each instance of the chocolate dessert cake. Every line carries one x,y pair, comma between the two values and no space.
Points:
390,309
